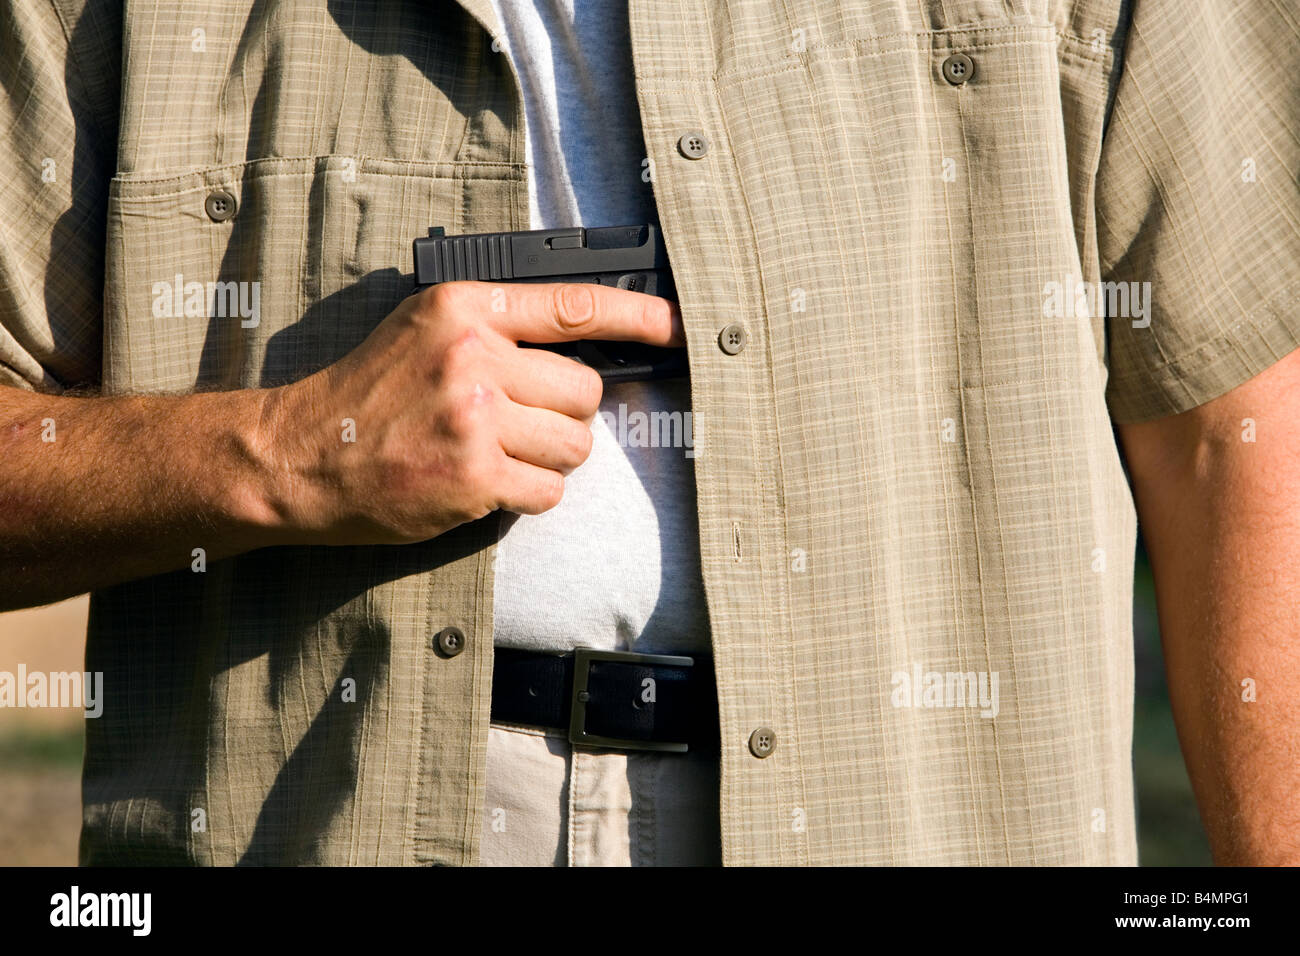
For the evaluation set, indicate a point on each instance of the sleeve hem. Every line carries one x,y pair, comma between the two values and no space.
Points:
1264,336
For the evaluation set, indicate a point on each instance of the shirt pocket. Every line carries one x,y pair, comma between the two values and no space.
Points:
911,197
257,274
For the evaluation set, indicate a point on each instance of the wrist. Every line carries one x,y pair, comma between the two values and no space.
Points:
263,507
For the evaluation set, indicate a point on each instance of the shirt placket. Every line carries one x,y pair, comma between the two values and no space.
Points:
712,247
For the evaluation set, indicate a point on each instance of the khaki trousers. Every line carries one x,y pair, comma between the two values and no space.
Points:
549,804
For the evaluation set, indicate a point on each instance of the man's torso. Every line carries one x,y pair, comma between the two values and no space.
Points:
906,469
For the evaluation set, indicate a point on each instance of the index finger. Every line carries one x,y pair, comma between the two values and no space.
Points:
567,311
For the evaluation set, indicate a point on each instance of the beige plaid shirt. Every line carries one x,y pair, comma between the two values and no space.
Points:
908,485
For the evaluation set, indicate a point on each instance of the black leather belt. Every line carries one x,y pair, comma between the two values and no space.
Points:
610,699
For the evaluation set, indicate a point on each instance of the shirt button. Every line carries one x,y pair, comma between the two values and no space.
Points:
220,205
693,145
451,641
733,338
958,68
762,742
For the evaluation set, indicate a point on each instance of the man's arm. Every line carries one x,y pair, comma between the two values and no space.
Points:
1220,515
94,491
451,420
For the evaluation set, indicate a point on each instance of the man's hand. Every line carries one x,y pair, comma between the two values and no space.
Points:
1218,496
452,419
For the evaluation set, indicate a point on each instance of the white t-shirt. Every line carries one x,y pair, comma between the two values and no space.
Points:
616,564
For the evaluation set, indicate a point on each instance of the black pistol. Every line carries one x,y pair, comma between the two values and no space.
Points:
626,257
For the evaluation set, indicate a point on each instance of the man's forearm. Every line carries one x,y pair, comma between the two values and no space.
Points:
95,491
438,418
1221,520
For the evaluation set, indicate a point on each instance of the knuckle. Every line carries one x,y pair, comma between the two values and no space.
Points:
655,314
468,414
450,297
463,353
550,489
575,307
578,443
588,387
569,445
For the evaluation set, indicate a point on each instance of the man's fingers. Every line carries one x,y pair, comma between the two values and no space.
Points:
563,312
529,490
545,438
544,379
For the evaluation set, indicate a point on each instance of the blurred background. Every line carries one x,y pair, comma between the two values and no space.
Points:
40,749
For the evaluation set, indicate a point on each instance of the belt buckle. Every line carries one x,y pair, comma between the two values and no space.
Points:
582,658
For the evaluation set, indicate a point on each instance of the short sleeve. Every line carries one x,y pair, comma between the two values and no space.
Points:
1198,203
59,69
